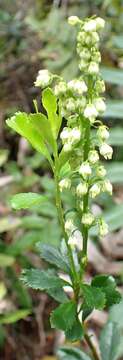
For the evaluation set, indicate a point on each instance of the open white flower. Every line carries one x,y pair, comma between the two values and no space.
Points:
77,86
95,190
73,20
90,25
87,219
82,189
43,79
107,186
65,184
90,111
75,135
102,132
106,151
93,156
85,169
93,68
60,88
100,23
100,105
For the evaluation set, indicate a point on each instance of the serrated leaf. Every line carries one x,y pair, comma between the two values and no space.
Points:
107,284
76,332
63,317
72,353
26,200
52,255
22,123
93,297
13,317
49,101
110,342
45,280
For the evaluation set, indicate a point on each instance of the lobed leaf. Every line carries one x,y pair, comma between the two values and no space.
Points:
45,280
93,297
53,256
63,317
107,284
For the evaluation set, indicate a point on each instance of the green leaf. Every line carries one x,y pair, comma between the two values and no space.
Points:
53,256
6,260
107,284
114,109
24,125
72,353
116,314
45,280
13,317
49,101
93,297
112,75
63,317
110,342
26,200
76,332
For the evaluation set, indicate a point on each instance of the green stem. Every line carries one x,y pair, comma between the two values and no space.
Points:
86,197
92,347
61,220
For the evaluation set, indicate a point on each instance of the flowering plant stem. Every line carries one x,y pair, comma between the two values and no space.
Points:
77,169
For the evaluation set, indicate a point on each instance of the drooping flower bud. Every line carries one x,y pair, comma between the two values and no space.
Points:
85,169
95,190
43,79
73,20
106,151
88,219
82,189
65,184
93,156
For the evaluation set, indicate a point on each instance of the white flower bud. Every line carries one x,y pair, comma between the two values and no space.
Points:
65,134
84,54
90,25
43,79
93,68
65,184
100,23
95,190
100,105
69,226
83,64
77,86
81,36
103,228
90,111
106,151
100,86
85,169
87,219
60,88
75,135
73,20
70,105
67,147
101,171
107,186
80,103
102,132
93,156
82,189
92,38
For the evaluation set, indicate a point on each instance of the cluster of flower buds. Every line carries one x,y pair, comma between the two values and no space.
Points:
81,105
